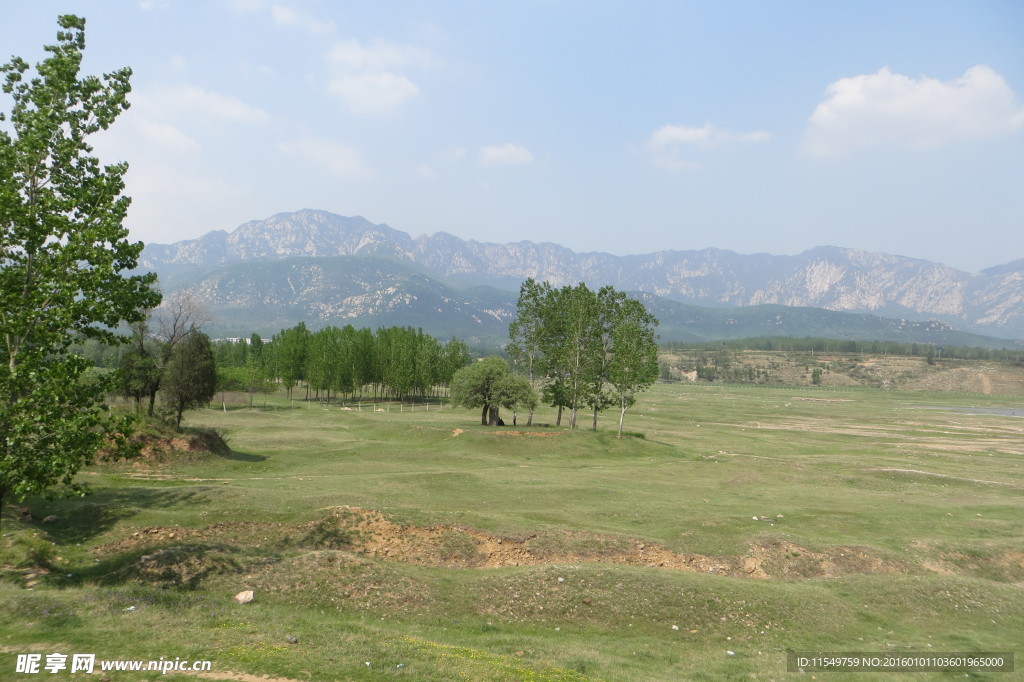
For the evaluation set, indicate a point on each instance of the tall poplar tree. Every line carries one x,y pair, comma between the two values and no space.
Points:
63,257
526,333
634,354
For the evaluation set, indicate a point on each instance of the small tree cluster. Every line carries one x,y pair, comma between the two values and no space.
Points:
583,348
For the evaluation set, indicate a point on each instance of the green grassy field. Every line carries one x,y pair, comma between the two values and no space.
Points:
416,544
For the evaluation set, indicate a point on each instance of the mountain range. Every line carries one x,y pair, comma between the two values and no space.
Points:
323,268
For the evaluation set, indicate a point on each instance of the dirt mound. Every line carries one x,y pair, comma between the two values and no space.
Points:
153,447
370,534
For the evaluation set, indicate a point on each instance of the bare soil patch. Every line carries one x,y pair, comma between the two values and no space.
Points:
157,448
184,556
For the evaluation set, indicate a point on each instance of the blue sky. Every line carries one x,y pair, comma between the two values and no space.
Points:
773,127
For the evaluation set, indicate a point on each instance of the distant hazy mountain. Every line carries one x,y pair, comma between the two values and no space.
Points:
387,272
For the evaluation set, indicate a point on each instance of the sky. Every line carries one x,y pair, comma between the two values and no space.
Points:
622,127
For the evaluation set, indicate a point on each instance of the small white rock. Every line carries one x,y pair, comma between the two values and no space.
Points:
675,627
244,597
731,653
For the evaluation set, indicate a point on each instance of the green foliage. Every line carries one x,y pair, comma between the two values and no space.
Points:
289,349
489,385
400,360
835,345
63,252
593,349
190,377
139,375
634,353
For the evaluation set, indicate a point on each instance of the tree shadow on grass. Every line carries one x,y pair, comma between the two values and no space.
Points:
81,519
228,453
216,442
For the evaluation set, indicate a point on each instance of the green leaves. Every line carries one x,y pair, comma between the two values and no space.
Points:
580,341
489,384
62,254
190,377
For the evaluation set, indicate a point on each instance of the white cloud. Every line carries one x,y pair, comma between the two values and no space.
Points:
427,172
455,154
167,137
508,154
287,16
166,126
371,79
338,158
159,191
890,109
195,102
246,5
668,144
705,136
373,93
352,55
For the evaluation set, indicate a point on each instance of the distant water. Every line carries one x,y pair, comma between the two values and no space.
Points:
998,411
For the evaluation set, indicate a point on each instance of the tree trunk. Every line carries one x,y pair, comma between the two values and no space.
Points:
595,418
622,417
2,494
483,415
152,402
493,421
558,420
529,419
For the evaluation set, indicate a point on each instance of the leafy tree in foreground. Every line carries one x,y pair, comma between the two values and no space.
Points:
63,252
190,376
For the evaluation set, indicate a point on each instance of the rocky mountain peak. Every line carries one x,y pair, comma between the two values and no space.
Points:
829,277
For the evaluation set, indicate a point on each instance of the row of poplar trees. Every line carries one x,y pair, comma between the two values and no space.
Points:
396,362
583,349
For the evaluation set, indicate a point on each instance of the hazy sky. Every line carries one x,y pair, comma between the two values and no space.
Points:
625,127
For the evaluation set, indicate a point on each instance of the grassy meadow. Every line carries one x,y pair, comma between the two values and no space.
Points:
412,543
